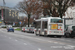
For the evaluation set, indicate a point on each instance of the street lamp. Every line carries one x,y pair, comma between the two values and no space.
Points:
34,22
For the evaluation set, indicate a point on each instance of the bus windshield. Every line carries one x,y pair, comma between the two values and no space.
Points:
56,21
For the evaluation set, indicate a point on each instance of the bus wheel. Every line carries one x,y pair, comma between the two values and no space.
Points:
36,34
67,35
72,37
45,34
40,34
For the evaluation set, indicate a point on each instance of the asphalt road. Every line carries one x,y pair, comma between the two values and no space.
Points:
26,41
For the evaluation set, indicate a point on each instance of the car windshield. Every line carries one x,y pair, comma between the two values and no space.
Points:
10,28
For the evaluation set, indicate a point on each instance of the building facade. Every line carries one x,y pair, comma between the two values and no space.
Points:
8,15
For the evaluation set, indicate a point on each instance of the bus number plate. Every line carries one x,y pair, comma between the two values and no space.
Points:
56,32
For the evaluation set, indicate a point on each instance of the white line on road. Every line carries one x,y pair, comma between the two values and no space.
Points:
56,42
71,46
39,49
50,41
9,37
62,43
16,40
5,36
25,44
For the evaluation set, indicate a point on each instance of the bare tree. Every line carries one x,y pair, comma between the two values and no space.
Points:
30,7
57,7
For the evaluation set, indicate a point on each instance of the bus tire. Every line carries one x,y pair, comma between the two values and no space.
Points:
39,33
72,37
45,34
36,34
67,35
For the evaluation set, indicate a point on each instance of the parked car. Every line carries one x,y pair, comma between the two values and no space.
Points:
8,25
26,29
23,29
10,29
70,31
31,29
3,26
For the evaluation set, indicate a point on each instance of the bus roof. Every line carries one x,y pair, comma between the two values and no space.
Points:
45,19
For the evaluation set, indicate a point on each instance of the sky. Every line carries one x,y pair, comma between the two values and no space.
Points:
10,3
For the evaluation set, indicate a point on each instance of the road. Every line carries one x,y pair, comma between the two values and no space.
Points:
26,41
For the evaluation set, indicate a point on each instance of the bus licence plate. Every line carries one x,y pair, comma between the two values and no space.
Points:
56,32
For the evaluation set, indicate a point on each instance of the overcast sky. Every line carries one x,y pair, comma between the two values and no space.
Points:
10,3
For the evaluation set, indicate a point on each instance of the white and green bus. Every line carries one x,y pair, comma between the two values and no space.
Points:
49,26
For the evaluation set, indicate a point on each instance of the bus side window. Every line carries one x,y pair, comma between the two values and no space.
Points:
46,24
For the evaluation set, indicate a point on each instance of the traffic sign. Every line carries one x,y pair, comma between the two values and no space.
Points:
19,22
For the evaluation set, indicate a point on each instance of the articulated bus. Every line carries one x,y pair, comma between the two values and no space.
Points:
49,26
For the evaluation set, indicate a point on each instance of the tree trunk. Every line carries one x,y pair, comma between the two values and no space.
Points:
28,19
60,15
60,12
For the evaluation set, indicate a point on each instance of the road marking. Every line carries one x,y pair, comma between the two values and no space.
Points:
9,37
25,44
16,40
56,42
39,49
71,46
50,41
68,40
62,43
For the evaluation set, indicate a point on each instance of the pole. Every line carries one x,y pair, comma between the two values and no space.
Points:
3,13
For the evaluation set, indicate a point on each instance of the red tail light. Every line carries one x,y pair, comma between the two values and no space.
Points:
64,31
34,30
50,31
71,31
